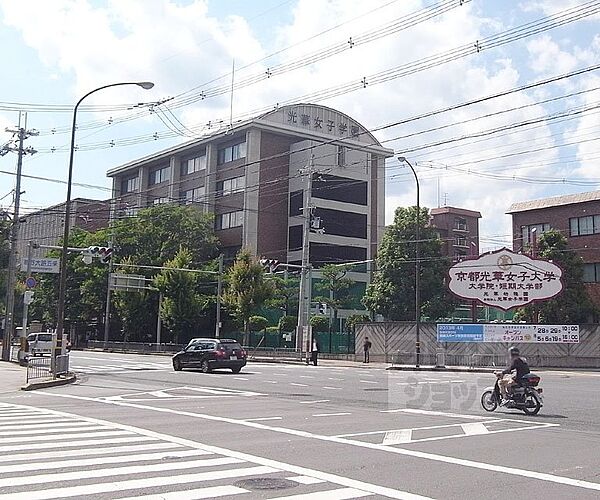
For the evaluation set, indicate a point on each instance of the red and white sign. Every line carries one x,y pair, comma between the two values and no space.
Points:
505,279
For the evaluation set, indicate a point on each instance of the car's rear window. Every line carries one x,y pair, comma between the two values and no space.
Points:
230,346
45,337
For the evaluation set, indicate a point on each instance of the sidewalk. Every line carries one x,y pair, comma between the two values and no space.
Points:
13,377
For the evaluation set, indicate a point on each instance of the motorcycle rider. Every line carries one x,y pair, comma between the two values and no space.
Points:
518,364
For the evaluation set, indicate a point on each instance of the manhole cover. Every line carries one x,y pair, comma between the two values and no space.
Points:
263,483
376,389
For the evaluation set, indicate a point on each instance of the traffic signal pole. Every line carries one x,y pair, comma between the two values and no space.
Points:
219,293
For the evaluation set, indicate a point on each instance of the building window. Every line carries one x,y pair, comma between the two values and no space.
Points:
341,156
231,219
160,200
192,165
229,186
130,185
460,223
581,226
460,241
231,153
193,195
591,273
527,232
159,175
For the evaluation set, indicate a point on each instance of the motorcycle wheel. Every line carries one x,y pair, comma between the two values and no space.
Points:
488,401
532,404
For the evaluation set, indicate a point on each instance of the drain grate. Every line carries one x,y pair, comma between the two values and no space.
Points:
264,483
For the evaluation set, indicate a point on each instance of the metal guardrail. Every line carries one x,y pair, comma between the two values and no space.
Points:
442,359
39,368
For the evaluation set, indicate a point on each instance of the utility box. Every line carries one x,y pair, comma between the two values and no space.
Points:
440,358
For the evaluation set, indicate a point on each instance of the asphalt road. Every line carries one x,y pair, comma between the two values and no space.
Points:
132,427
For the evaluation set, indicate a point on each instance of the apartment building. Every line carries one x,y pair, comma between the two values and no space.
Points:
458,229
577,216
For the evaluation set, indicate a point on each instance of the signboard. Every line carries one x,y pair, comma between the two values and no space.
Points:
43,265
510,333
128,282
505,279
30,282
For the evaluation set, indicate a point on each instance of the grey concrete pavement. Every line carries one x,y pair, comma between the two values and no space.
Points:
351,432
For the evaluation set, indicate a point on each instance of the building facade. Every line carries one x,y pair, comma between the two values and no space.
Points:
458,229
46,226
254,177
576,216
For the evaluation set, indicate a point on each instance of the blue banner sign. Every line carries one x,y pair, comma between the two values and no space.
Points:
460,333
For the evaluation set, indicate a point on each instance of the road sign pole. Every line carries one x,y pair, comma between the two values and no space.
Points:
23,336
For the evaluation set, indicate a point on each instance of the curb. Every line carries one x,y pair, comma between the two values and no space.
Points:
50,383
435,369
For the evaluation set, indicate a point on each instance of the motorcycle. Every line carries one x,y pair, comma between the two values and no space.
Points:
525,396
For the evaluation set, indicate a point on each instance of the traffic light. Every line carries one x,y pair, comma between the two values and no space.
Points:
322,308
269,264
102,253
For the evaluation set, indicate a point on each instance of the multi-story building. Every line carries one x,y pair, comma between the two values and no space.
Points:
46,226
458,229
577,216
254,177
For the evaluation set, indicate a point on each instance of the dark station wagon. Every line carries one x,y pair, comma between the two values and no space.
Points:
211,354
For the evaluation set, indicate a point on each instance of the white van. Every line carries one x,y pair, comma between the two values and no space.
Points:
39,343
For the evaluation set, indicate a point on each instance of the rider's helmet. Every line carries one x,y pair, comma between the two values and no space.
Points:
513,351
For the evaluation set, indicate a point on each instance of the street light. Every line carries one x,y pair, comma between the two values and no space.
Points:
62,290
402,159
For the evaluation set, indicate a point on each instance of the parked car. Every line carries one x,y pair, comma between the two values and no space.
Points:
211,354
39,343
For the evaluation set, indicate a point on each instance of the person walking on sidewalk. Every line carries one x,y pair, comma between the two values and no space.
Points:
314,352
366,348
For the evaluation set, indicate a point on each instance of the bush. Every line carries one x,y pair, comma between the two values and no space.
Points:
355,319
288,323
319,323
258,323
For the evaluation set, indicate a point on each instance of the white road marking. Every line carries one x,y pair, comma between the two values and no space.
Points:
134,484
116,471
331,414
44,426
83,452
46,431
72,444
339,494
69,437
86,462
306,376
210,492
261,419
332,388
417,411
265,462
474,428
397,437
240,378
333,378
542,476
429,427
305,479
368,382
317,401
298,385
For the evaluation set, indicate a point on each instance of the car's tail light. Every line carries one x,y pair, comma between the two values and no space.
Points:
221,353
243,353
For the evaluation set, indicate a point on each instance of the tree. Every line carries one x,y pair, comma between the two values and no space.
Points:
258,323
247,289
286,293
156,234
354,320
573,305
392,291
319,323
181,304
288,323
335,288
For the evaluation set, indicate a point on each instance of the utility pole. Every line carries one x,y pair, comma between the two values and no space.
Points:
30,246
305,276
112,216
219,293
22,134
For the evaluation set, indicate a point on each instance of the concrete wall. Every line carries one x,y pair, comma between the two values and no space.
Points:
390,338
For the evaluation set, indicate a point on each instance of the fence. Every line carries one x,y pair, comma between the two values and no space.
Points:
395,341
39,368
134,346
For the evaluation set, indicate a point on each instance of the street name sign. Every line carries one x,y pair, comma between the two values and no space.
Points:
43,265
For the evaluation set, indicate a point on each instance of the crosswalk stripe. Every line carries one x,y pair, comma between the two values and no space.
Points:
46,430
133,484
210,492
85,462
85,452
16,418
73,444
53,437
339,494
116,471
44,425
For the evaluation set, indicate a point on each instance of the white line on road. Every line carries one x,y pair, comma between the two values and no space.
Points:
338,379
339,494
71,444
474,428
541,476
65,437
305,479
331,414
240,378
298,385
397,437
198,493
260,419
316,401
429,427
368,382
436,413
332,388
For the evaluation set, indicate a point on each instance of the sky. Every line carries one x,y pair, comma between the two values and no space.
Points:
530,144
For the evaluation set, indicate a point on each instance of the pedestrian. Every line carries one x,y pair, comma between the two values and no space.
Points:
314,352
366,347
